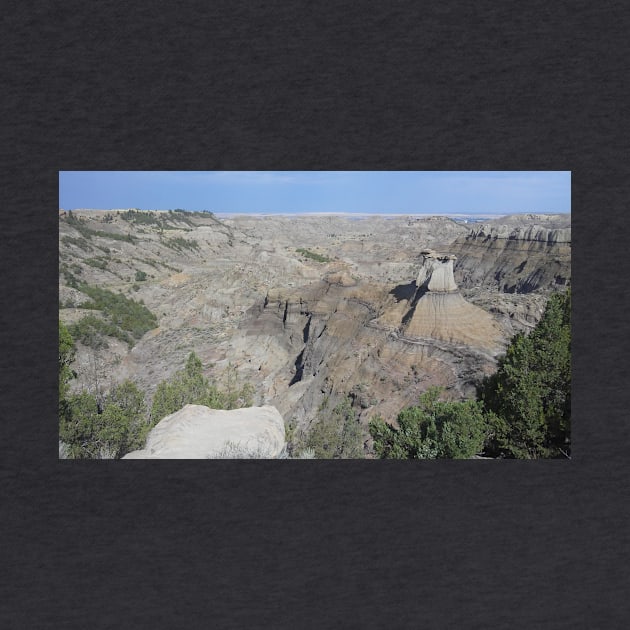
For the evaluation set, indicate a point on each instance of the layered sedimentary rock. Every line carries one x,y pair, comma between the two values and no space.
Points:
512,259
438,311
447,316
198,432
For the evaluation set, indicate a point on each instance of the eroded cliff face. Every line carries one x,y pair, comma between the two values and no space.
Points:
437,310
381,346
379,321
512,259
449,317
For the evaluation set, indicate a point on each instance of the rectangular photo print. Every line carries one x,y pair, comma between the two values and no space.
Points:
314,315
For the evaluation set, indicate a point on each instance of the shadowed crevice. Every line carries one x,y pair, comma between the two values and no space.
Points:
404,291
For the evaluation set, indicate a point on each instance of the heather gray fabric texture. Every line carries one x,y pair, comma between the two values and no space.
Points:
242,85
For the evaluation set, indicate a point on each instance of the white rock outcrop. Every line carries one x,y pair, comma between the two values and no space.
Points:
198,432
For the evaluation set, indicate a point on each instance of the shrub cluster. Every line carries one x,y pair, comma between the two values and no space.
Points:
68,276
78,242
137,217
183,215
124,318
89,431
120,422
99,263
189,386
336,435
88,233
178,243
314,256
92,331
120,426
433,429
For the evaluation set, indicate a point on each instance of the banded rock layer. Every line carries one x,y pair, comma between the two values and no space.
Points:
447,316
514,259
437,310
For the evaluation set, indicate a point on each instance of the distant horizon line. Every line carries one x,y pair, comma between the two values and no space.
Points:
322,213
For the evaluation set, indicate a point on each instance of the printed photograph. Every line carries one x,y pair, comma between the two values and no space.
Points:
315,315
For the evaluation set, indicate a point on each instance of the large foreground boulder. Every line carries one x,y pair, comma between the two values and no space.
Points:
198,432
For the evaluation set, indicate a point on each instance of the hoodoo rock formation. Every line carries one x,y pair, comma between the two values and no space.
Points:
198,432
438,311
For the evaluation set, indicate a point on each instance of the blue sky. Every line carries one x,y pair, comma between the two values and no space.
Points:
282,192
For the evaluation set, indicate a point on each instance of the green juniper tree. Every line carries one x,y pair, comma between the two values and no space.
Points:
123,425
189,386
67,353
78,427
336,435
431,430
530,392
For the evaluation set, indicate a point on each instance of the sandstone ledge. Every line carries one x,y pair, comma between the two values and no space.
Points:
198,432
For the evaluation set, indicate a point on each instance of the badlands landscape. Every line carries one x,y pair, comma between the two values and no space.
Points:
314,311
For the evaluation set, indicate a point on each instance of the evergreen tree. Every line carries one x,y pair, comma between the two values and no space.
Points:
120,428
78,427
189,386
123,425
67,353
531,391
433,429
337,436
